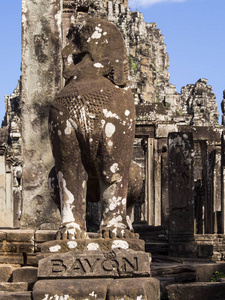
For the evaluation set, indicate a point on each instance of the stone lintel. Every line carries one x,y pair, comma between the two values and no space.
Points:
86,264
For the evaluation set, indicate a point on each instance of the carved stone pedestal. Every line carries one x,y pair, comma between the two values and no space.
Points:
94,274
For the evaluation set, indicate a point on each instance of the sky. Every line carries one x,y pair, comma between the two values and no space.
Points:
194,32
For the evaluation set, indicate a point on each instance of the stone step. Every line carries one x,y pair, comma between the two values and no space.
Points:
13,286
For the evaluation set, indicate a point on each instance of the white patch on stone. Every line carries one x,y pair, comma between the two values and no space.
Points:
116,222
90,140
72,245
129,223
124,201
58,18
55,248
68,129
67,200
97,33
96,43
59,132
83,184
104,33
126,88
110,143
88,40
116,86
61,113
98,65
114,168
101,91
127,112
140,297
103,123
117,60
92,246
109,114
114,202
70,59
74,77
120,244
93,294
109,130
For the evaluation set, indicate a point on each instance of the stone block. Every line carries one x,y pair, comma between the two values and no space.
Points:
17,247
25,274
44,235
15,295
117,263
205,272
104,244
2,236
196,291
11,258
20,236
205,251
134,288
78,289
13,286
5,272
32,260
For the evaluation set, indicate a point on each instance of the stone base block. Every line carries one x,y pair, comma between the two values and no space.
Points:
11,258
96,263
79,289
25,274
103,244
196,291
134,288
13,286
101,289
5,272
15,296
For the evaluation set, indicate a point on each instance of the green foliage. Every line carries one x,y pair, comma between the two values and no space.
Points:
132,63
217,275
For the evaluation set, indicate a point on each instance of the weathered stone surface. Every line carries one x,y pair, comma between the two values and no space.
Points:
11,258
41,65
5,272
15,295
31,259
103,244
135,288
117,263
25,236
25,274
44,235
17,247
205,272
78,289
196,291
13,286
2,236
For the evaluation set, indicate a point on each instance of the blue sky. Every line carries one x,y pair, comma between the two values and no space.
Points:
194,32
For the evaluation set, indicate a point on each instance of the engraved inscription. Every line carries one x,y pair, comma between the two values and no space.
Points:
80,264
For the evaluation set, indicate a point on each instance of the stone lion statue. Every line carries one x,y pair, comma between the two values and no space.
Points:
92,124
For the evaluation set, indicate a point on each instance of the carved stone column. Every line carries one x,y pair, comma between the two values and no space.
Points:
181,220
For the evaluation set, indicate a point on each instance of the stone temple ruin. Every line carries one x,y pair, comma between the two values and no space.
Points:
178,143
